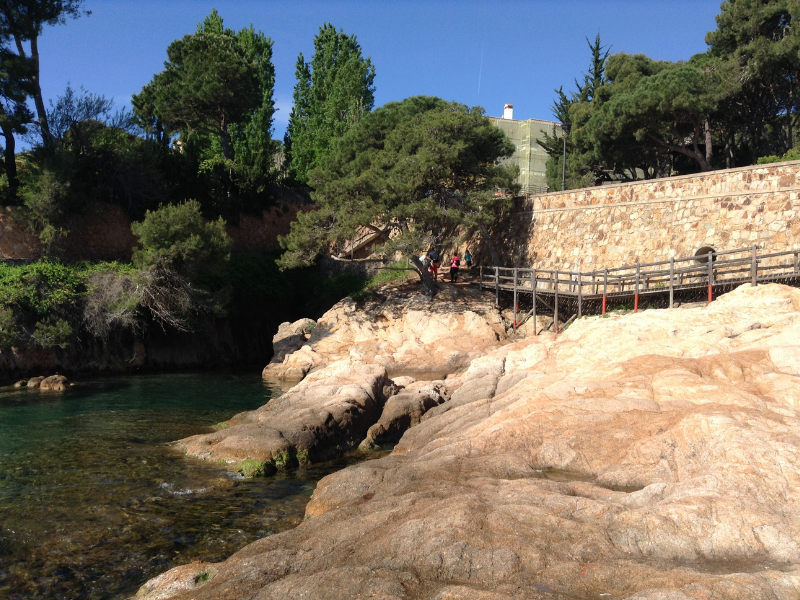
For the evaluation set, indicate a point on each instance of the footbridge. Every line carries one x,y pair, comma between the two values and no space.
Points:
566,295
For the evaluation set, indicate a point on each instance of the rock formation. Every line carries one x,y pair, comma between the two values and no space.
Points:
646,456
404,333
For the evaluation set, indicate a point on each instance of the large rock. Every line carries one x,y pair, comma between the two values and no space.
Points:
332,408
406,334
290,338
54,383
651,456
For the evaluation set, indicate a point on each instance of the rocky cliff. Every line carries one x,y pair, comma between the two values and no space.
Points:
645,456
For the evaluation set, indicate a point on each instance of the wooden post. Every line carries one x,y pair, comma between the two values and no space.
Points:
605,289
555,305
636,291
671,279
754,268
580,294
515,299
496,286
710,276
795,261
533,291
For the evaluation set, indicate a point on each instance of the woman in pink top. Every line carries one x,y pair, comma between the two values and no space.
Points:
454,265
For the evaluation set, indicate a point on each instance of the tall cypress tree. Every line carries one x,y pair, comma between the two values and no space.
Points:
332,92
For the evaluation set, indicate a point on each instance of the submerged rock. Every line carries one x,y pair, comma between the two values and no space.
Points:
674,435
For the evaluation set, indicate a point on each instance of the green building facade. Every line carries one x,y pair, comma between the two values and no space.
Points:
529,156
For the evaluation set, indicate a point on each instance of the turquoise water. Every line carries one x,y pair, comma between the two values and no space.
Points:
94,501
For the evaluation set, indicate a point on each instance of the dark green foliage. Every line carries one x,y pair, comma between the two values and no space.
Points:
332,93
723,108
46,201
8,328
414,171
51,334
215,93
176,236
208,83
667,110
21,24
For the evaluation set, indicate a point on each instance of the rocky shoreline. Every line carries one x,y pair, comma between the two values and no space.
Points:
645,456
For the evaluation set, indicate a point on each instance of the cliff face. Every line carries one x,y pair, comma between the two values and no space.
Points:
232,341
646,456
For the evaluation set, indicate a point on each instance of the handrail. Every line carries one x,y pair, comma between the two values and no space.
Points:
712,269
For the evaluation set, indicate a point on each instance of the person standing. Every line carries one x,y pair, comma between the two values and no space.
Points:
434,256
468,259
454,265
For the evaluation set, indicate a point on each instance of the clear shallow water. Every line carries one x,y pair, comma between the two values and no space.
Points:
93,500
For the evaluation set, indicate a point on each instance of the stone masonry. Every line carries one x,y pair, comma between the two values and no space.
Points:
653,220
103,232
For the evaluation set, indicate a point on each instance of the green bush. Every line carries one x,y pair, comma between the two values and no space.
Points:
49,335
45,202
792,154
41,303
8,328
176,236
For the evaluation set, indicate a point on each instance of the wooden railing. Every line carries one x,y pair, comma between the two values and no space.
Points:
581,290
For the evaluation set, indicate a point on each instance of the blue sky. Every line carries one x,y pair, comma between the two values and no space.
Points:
517,51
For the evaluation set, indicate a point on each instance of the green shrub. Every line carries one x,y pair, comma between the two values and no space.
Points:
8,328
176,236
792,154
50,335
45,200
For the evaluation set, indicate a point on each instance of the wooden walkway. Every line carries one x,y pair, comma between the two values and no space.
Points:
565,295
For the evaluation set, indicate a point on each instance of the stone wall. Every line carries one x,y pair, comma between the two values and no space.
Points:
611,226
103,232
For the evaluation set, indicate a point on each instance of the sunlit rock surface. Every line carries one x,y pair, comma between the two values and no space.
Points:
406,333
647,456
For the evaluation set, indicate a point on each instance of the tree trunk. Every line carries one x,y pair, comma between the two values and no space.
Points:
487,239
709,145
10,158
225,138
693,154
425,277
36,92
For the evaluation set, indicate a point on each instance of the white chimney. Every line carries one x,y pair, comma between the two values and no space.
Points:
508,112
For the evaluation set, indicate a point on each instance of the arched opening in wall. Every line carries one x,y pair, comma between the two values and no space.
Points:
701,256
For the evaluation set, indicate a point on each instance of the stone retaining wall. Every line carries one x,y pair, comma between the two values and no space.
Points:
103,232
648,221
